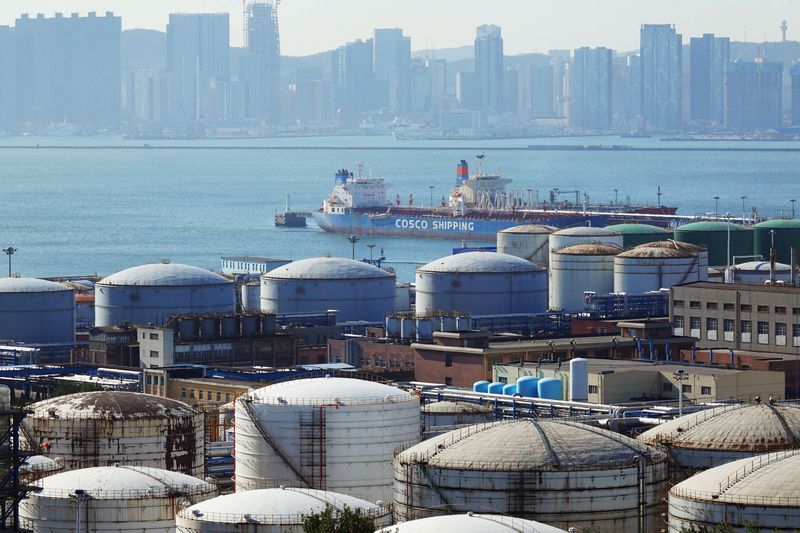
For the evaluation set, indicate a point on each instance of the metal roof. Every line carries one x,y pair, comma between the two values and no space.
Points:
637,229
472,523
711,225
327,268
345,391
523,445
31,285
480,262
779,223
529,229
111,405
648,252
590,249
586,231
166,275
750,428
762,266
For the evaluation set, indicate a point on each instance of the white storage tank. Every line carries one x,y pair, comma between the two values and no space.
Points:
578,379
644,269
276,510
481,283
39,466
701,253
357,290
440,417
327,433
152,293
564,238
251,296
528,241
472,523
36,311
111,499
108,427
758,273
577,269
760,493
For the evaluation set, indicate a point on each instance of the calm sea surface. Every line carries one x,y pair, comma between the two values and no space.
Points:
82,210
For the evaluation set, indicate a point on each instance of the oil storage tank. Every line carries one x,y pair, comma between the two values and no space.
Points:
528,241
339,434
36,311
481,283
251,296
357,290
700,251
276,510
716,436
713,235
760,493
580,268
644,269
583,235
561,473
757,273
786,235
112,499
152,293
637,234
472,523
108,427
439,417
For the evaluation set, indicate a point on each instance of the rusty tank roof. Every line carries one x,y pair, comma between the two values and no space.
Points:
112,404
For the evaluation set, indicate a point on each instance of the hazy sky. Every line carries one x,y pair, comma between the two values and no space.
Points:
309,26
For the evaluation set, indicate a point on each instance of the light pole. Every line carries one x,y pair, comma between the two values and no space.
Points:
680,376
9,252
431,188
616,196
716,207
353,240
370,246
793,200
744,213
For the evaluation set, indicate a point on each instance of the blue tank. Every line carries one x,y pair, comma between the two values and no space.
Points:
480,386
495,388
550,389
528,386
510,390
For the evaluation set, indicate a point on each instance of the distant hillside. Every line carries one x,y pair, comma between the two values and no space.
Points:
143,49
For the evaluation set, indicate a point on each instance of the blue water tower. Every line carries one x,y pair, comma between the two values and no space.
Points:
480,386
496,388
528,386
550,389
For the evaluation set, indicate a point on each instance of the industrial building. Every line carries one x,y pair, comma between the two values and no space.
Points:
247,264
110,345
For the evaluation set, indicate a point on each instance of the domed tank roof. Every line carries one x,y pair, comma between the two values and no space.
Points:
586,231
329,389
762,266
327,268
779,223
590,249
676,245
472,523
711,225
523,445
273,506
653,252
637,229
40,463
453,407
480,262
112,405
164,275
742,428
31,285
111,482
764,481
529,229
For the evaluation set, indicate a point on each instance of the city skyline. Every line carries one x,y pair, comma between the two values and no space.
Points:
527,26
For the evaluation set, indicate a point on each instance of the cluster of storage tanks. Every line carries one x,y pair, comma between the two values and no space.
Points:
544,387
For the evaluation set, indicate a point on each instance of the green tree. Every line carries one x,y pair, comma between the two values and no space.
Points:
332,521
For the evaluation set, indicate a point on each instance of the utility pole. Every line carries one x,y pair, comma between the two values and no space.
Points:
353,240
680,376
9,252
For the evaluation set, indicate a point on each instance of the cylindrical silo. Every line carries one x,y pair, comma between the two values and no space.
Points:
560,473
577,269
550,389
251,296
528,241
276,510
701,252
758,272
152,293
472,523
357,290
638,234
528,386
644,269
759,493
39,466
578,379
481,386
111,499
786,236
108,427
583,235
715,236
334,433
439,417
481,283
495,388
36,311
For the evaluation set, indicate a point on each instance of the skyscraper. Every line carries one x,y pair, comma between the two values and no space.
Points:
795,74
489,68
198,62
354,87
709,57
560,63
263,41
7,77
590,89
542,90
391,57
438,72
754,95
467,91
662,75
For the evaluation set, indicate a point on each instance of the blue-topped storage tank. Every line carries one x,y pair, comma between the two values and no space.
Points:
510,390
495,388
481,386
550,388
528,386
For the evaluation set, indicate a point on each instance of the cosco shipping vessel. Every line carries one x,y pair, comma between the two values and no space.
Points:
478,207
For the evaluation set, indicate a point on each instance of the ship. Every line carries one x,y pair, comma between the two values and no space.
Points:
289,218
480,205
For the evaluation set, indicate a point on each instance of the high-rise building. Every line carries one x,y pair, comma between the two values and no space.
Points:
391,57
589,104
795,74
511,92
754,95
662,75
467,91
198,62
542,90
489,68
560,63
354,86
709,57
68,69
437,69
263,41
8,82
418,95
313,97
633,76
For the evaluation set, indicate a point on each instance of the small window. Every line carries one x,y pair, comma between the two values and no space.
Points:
712,324
746,326
191,394
200,395
727,307
448,381
594,389
144,336
502,379
705,391
183,392
694,322
448,360
678,322
796,310
686,388
148,380
729,325
711,305
763,309
763,328
677,303
779,310
780,329
153,353
227,396
219,396
154,336
694,305
746,307
666,387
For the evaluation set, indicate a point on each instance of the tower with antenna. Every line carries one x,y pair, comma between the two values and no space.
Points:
784,27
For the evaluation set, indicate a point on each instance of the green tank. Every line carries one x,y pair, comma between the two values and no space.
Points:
787,235
714,236
636,234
